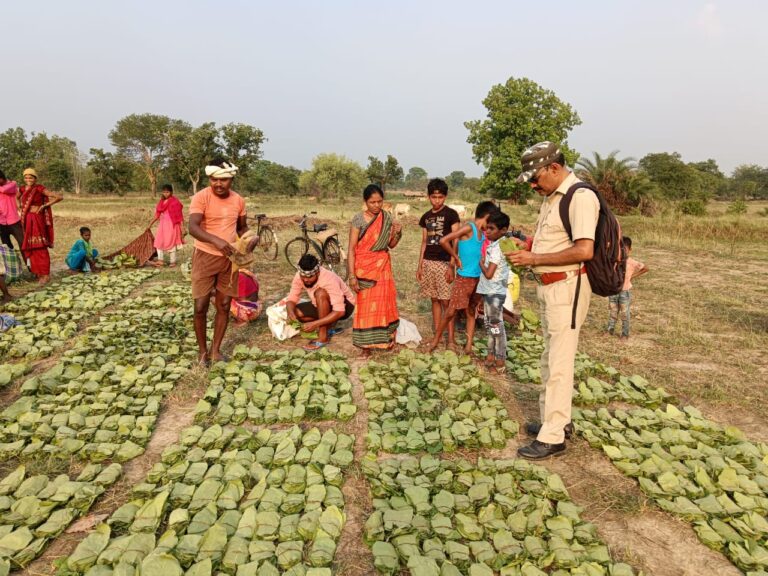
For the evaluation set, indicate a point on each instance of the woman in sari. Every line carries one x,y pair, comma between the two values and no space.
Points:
170,231
37,219
372,234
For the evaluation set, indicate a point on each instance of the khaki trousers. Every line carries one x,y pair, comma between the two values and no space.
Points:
557,361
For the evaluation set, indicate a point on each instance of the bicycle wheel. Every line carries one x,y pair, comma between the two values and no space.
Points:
268,242
333,258
295,249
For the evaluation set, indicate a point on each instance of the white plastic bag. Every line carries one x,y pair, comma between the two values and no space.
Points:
408,334
277,320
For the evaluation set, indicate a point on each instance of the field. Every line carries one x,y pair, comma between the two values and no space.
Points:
699,331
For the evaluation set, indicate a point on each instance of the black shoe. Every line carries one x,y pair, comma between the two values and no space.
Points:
533,429
537,450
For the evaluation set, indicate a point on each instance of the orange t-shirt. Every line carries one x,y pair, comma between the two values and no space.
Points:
220,216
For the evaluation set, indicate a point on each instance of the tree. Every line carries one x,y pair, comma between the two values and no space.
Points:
416,179
456,179
749,181
711,179
189,149
15,152
675,179
143,138
241,144
334,174
267,177
520,114
384,173
110,172
610,175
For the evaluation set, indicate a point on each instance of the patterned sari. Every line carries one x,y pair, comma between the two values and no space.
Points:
38,230
376,318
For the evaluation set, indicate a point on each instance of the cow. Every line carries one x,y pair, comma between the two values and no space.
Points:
401,210
461,210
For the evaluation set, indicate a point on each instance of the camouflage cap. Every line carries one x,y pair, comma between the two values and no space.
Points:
537,156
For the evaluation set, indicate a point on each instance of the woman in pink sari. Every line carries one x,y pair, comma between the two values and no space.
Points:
170,231
37,219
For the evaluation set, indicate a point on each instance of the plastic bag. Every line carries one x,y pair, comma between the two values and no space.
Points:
407,333
513,292
277,319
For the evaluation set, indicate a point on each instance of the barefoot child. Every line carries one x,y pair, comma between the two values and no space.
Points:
618,305
170,233
466,255
435,271
493,287
82,256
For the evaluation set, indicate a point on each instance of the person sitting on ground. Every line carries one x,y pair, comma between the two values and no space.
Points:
82,256
330,298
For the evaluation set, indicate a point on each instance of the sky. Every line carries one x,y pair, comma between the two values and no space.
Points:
394,77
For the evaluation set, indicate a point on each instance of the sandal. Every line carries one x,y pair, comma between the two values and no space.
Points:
335,331
314,345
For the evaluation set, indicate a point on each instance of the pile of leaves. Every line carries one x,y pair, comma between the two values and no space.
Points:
35,508
707,474
9,373
231,501
433,403
271,387
446,518
49,317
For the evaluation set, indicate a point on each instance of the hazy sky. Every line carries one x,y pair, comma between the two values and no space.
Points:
394,77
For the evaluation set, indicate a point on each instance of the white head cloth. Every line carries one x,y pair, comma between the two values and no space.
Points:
226,170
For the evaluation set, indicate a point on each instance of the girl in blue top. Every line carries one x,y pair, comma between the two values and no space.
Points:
465,247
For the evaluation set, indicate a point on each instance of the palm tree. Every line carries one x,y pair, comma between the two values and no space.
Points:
613,177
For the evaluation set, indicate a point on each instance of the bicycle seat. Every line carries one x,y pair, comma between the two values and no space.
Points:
259,216
320,227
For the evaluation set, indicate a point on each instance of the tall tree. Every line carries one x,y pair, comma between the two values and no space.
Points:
416,179
144,139
15,152
109,172
456,179
241,143
520,114
749,181
375,170
267,177
190,148
384,173
675,179
711,179
611,175
333,174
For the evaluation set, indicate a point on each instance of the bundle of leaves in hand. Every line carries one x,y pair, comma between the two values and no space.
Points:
270,387
230,501
433,403
308,335
508,245
441,517
707,474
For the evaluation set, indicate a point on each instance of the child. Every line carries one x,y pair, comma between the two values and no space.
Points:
82,256
435,271
170,231
493,287
618,305
467,258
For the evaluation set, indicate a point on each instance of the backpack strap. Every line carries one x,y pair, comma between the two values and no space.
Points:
565,216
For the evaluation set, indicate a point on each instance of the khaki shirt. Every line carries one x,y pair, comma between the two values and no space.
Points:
550,235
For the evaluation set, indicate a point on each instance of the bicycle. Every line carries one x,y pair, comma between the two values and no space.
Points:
267,239
329,252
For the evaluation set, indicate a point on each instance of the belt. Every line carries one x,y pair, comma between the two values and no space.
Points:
551,277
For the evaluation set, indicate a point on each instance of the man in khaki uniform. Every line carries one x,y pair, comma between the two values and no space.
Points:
557,261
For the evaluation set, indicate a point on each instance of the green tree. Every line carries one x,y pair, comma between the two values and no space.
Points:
616,178
749,181
59,163
712,181
267,177
520,114
675,179
416,179
241,144
333,174
109,172
189,149
384,173
143,138
15,152
456,179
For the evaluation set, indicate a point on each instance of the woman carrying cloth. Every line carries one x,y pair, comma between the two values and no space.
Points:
170,231
37,219
371,235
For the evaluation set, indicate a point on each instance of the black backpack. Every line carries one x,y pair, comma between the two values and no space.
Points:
608,266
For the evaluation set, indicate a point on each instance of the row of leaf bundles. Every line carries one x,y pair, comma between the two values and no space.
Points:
444,518
222,508
434,403
291,388
632,390
97,414
161,296
694,468
9,373
49,317
36,508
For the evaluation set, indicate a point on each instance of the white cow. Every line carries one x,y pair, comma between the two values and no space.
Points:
402,210
460,209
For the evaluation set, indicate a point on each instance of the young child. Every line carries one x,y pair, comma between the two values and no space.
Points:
170,231
435,271
466,255
493,287
618,305
82,256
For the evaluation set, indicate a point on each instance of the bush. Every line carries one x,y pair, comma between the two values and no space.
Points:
693,207
737,207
